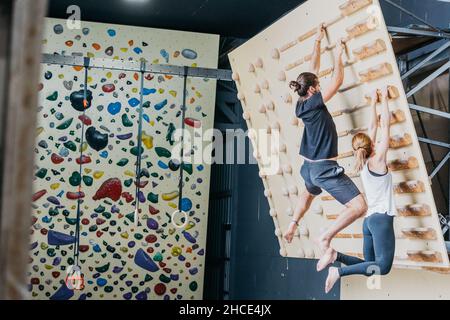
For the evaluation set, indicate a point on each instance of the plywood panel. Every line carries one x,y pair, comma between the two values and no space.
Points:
263,67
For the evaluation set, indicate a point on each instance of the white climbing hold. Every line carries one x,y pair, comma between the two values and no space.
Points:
257,89
282,147
235,76
287,169
256,155
252,134
293,191
303,231
265,84
270,106
251,68
285,192
276,126
262,174
246,115
309,253
268,129
289,212
273,213
241,96
294,121
282,76
267,193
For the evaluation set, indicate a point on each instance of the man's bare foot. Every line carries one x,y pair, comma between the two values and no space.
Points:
328,258
333,276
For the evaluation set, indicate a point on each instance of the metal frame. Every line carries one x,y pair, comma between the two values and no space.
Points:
102,63
440,34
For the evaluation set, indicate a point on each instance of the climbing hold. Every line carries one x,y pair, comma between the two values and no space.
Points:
273,213
77,100
56,238
259,63
163,152
275,54
189,54
289,212
265,84
193,122
170,196
143,260
246,116
257,89
96,139
240,96
251,68
287,98
65,124
114,108
267,193
111,188
235,76
262,108
282,76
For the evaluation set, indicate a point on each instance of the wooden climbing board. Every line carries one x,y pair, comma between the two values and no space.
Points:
262,69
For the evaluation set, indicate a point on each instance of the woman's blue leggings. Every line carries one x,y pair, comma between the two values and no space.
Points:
379,248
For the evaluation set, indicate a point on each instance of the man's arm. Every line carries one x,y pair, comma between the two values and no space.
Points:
315,58
338,74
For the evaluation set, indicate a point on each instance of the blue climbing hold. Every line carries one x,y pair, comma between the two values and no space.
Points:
133,102
63,293
160,105
186,204
56,238
143,260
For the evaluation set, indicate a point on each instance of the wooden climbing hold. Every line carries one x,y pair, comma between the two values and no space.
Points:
403,164
262,109
424,256
287,98
267,193
259,63
273,213
419,233
397,141
414,210
246,116
251,68
275,54
265,84
257,89
287,169
282,76
414,186
235,76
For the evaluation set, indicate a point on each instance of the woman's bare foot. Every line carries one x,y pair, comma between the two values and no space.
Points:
328,258
333,276
323,242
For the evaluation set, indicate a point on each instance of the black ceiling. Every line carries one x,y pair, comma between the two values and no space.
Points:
232,18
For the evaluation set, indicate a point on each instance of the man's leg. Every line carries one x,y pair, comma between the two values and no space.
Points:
354,210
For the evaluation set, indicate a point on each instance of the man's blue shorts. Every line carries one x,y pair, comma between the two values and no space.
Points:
329,176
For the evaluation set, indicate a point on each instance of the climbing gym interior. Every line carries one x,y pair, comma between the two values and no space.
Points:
150,149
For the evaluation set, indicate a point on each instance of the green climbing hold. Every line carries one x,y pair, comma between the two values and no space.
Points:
88,180
126,121
130,216
193,286
158,257
52,212
163,278
134,151
187,167
65,124
122,162
153,198
70,145
71,221
107,215
70,261
138,236
148,278
163,152
75,179
169,136
51,252
128,182
102,268
109,289
53,96
155,175
99,209
41,173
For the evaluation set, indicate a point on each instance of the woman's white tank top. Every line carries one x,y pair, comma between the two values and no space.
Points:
379,192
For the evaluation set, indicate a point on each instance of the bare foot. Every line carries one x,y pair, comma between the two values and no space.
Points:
333,276
328,258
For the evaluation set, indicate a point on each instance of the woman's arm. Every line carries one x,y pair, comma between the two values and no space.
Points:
385,123
338,74
373,124
315,58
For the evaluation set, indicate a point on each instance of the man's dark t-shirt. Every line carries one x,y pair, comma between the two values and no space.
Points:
320,139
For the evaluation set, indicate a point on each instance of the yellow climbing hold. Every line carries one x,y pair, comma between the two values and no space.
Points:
129,173
90,55
98,174
109,75
124,249
116,58
124,235
124,49
84,146
198,94
134,90
48,267
87,171
176,251
170,196
147,140
194,65
171,231
60,76
172,205
89,79
156,61
173,93
39,131
54,186
161,91
152,123
73,207
190,225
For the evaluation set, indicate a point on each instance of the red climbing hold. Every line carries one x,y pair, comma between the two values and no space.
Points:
56,159
142,184
111,188
153,210
55,274
75,195
35,281
128,197
38,194
85,221
84,248
193,122
44,231
83,159
150,250
109,87
100,221
99,233
151,238
173,290
149,77
85,119
160,289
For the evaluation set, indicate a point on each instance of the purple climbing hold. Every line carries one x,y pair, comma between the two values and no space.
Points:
189,237
117,269
63,293
152,224
141,296
56,238
127,296
143,260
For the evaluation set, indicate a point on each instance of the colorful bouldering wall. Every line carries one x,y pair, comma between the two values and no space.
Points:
119,260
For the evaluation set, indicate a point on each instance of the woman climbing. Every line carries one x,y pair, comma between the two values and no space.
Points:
378,230
319,148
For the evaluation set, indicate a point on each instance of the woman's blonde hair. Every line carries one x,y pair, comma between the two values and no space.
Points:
362,146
